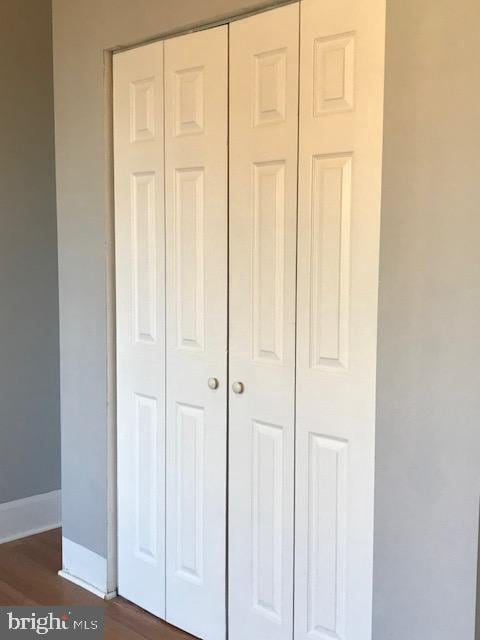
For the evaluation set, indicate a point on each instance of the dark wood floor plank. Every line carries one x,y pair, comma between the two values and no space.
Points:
10,595
40,552
135,618
28,576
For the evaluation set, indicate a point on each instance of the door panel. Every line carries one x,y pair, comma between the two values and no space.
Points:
263,202
196,284
340,151
139,236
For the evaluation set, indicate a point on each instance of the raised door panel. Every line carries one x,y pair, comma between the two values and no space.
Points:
145,471
196,334
270,86
189,100
189,257
143,117
326,471
340,151
330,260
144,222
190,497
268,261
263,201
333,73
267,504
139,237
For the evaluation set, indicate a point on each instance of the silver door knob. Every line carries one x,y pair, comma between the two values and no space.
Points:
237,387
213,383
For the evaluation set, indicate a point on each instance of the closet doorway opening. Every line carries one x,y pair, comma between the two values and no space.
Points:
247,206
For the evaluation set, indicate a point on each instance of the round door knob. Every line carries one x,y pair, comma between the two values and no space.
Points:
213,383
238,387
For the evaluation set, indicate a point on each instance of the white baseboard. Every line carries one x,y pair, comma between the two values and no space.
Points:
25,517
89,587
85,568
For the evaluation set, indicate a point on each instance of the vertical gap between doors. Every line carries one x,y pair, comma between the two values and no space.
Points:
165,324
296,323
228,342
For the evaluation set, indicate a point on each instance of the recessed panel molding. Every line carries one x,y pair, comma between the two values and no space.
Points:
327,522
142,110
270,87
269,261
146,470
189,491
334,74
144,238
189,257
267,511
330,261
189,101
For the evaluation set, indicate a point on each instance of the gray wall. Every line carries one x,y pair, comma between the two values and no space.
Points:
29,371
428,428
82,31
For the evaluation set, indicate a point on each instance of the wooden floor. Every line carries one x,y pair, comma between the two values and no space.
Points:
28,576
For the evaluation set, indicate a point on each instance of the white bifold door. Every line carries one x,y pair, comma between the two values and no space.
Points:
340,156
171,256
140,278
196,285
247,208
263,215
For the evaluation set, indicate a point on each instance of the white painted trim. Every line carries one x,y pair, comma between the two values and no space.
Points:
28,516
85,585
111,332
85,568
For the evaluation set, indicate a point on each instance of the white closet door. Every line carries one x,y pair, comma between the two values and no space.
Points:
263,205
341,80
139,231
196,230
